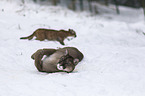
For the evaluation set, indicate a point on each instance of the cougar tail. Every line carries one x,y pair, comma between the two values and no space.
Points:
29,37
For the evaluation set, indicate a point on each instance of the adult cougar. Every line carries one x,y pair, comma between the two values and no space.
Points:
52,35
57,60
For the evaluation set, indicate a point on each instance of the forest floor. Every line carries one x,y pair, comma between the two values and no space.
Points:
113,47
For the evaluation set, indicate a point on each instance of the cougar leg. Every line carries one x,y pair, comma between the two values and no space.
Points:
40,51
39,39
30,38
48,51
38,55
60,40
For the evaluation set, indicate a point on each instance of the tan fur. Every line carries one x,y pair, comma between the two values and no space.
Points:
52,35
54,57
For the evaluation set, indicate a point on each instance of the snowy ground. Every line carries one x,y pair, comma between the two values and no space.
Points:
113,46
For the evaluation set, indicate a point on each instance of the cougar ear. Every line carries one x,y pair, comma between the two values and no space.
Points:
76,61
66,52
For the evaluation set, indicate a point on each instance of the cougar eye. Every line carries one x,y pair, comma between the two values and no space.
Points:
62,58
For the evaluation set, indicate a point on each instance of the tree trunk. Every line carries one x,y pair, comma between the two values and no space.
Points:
81,5
95,9
35,0
142,3
117,8
54,2
23,1
106,2
90,6
143,6
74,5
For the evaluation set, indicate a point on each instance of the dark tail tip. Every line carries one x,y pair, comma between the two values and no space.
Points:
22,38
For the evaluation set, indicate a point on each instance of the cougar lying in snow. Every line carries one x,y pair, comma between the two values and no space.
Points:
57,60
52,35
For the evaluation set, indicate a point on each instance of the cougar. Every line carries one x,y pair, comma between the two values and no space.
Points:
52,35
57,60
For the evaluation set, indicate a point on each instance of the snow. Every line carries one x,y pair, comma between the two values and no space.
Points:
113,46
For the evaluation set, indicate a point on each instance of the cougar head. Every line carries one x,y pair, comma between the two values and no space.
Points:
72,32
67,63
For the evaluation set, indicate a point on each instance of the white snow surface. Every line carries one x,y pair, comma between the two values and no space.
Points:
113,47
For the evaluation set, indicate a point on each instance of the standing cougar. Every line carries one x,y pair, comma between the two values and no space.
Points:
52,35
57,60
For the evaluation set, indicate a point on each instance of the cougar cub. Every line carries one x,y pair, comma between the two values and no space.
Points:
52,35
57,60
